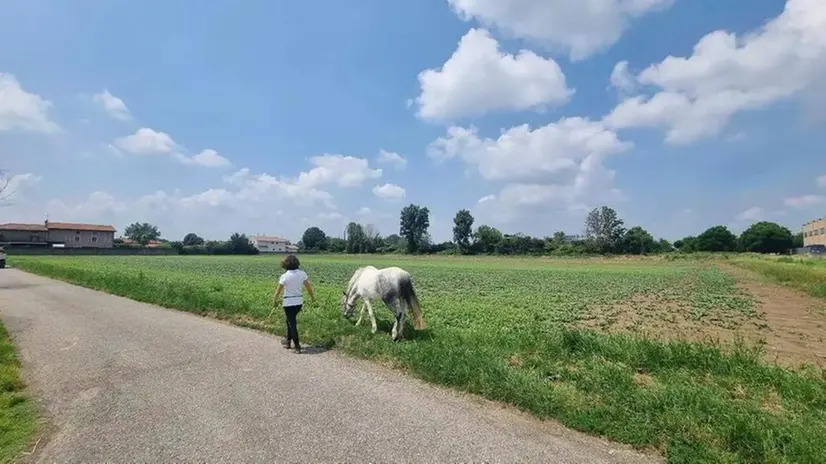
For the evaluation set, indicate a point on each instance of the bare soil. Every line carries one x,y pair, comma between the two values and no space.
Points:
789,325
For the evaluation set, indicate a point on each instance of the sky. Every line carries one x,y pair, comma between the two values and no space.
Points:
270,116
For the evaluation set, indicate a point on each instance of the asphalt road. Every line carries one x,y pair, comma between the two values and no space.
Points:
122,381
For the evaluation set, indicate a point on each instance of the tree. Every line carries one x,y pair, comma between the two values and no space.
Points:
240,244
488,238
797,241
413,224
372,238
336,245
687,244
462,230
664,246
766,237
314,239
604,229
5,186
356,238
142,233
716,239
192,239
638,241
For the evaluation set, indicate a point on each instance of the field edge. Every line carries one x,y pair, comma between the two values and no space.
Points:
18,411
583,340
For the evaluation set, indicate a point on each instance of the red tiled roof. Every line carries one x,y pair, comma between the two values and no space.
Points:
74,226
24,227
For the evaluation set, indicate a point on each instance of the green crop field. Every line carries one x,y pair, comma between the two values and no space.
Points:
665,355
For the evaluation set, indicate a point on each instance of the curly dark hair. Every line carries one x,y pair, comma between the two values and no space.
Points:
290,263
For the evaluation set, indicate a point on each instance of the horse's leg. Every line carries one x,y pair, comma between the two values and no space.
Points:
372,316
400,313
361,313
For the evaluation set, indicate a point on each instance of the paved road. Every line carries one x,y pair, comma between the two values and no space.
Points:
123,381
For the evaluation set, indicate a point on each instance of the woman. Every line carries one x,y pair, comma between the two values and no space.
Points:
290,284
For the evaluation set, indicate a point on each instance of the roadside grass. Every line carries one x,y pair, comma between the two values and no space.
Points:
17,415
808,275
501,328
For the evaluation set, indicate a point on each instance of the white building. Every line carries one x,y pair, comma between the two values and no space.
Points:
268,244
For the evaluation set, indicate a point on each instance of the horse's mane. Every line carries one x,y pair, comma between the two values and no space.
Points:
355,278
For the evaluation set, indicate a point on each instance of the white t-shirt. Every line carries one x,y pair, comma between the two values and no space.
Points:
293,281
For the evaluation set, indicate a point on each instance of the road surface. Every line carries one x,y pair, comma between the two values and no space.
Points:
123,381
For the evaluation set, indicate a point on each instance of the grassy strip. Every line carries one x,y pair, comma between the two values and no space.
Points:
17,417
807,275
692,402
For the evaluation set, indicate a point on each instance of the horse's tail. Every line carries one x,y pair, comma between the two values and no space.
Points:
412,301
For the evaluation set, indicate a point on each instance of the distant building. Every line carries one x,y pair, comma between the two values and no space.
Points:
272,244
814,233
66,234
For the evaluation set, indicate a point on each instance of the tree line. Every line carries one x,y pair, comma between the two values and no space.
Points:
604,234
143,233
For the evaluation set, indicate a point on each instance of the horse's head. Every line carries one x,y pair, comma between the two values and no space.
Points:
347,305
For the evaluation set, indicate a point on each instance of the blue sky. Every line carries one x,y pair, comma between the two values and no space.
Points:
271,116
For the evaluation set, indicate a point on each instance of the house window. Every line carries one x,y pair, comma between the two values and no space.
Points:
94,239
77,238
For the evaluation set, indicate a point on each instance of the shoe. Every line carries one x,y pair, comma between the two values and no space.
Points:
298,349
286,344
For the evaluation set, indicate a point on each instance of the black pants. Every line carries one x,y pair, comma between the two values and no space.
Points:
292,329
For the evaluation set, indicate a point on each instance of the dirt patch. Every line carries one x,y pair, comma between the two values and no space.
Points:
662,317
789,325
796,322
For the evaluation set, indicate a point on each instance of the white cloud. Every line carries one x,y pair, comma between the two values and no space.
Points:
146,141
208,158
363,211
479,78
622,79
390,192
727,74
581,28
804,201
22,110
559,165
14,186
113,105
754,213
387,157
523,154
344,171
821,181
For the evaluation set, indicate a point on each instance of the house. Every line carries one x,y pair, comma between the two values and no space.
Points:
67,234
271,244
814,233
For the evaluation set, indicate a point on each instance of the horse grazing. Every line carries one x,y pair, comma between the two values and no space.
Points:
393,286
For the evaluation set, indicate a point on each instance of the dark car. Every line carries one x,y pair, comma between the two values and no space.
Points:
2,258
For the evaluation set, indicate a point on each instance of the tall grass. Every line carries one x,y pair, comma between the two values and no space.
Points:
806,274
691,402
17,414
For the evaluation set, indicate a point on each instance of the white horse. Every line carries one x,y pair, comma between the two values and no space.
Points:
393,286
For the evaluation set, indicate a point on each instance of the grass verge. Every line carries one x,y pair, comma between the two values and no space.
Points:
808,275
691,402
17,415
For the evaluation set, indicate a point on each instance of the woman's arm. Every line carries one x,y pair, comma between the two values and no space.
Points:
309,288
278,291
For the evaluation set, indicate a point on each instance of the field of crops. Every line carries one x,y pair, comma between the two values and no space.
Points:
591,343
